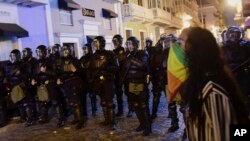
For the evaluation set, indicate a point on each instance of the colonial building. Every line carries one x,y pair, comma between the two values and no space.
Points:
78,22
151,18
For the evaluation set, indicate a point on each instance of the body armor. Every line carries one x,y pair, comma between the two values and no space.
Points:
15,75
121,55
102,68
85,64
72,87
134,75
238,55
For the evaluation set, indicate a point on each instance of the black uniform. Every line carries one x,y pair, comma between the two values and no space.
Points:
238,57
57,99
85,64
237,52
29,65
158,75
15,76
102,68
42,81
72,85
135,73
121,55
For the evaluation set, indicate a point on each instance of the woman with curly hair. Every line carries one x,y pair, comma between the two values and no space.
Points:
213,98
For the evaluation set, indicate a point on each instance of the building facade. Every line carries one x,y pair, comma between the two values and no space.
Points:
77,22
22,24
151,18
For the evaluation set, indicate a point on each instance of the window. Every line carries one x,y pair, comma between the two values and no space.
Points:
140,2
142,36
107,23
66,17
149,4
128,33
125,1
159,3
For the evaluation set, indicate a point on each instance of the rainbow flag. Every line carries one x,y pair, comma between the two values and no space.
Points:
176,71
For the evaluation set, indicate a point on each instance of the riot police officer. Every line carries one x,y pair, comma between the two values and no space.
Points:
121,55
85,64
14,76
29,65
58,101
237,53
157,61
102,68
41,80
71,85
135,74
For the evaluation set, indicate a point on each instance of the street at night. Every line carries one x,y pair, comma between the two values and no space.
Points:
98,70
94,131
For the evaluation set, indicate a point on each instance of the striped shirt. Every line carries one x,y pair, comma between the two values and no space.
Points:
217,115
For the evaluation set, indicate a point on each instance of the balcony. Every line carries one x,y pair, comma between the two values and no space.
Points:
161,17
185,9
27,3
136,13
113,1
176,23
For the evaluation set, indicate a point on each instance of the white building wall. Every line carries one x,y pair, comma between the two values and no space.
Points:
8,14
86,26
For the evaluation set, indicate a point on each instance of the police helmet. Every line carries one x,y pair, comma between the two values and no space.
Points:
15,55
27,52
234,34
101,40
118,37
134,41
41,51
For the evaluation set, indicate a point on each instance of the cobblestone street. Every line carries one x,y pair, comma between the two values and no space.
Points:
94,131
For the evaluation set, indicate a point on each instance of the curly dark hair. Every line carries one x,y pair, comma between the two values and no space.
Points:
205,62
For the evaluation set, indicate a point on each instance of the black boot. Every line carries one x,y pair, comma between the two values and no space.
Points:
140,118
84,104
120,104
105,114
22,113
111,118
60,117
156,101
175,120
171,108
78,113
29,114
120,110
146,121
44,113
